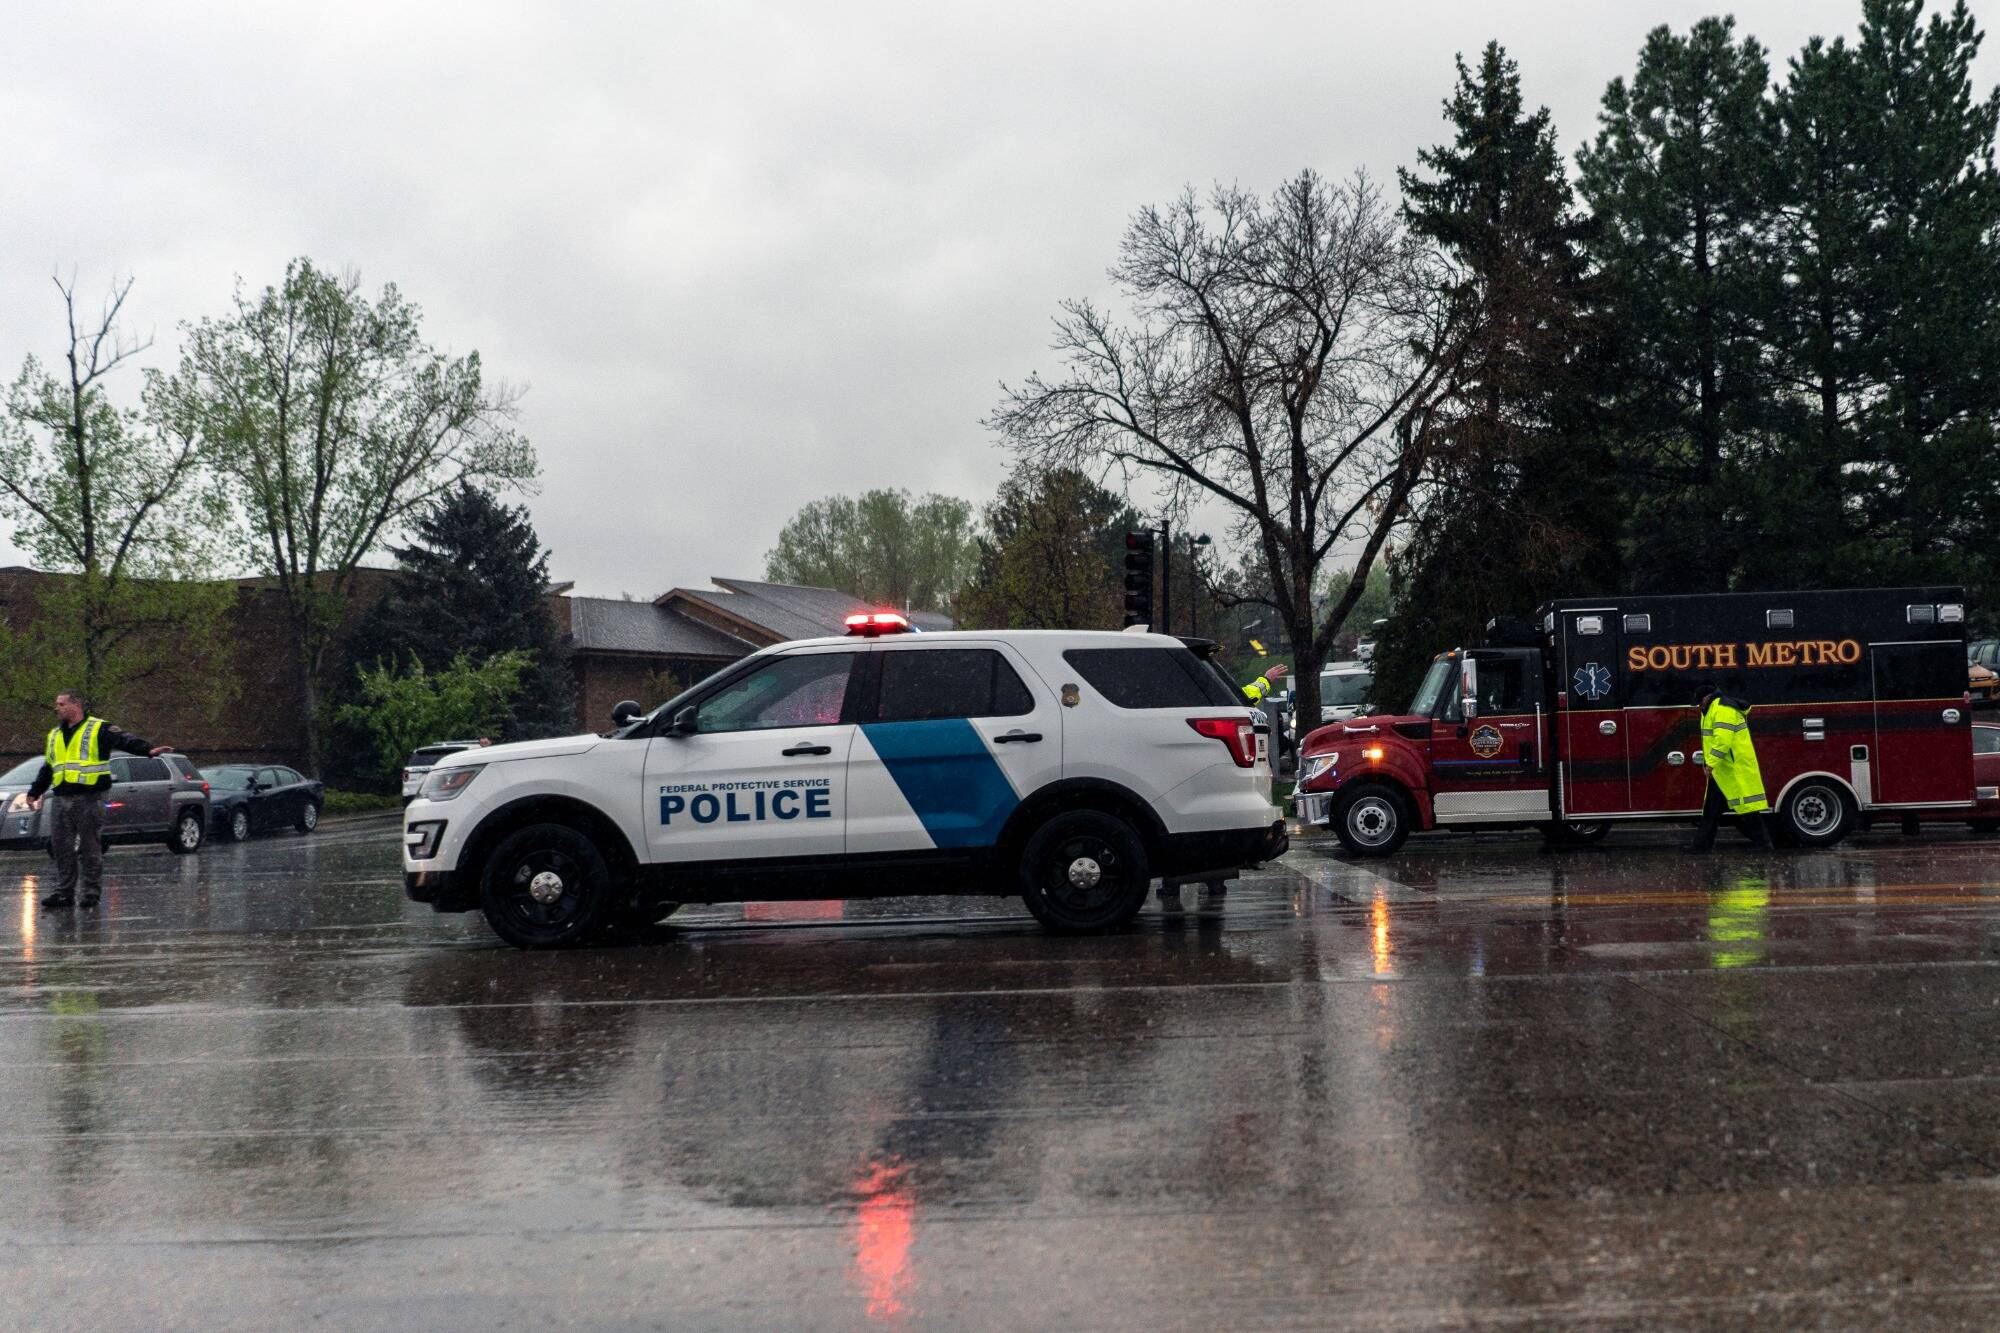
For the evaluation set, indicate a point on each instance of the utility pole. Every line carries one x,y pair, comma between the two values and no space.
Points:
1166,579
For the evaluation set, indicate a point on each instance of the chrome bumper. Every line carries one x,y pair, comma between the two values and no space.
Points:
1312,807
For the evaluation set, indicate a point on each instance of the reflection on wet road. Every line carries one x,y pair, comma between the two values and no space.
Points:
1477,1082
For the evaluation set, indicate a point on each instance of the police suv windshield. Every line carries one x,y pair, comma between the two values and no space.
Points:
23,772
1432,689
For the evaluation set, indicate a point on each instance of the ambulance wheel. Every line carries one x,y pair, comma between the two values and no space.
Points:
1084,871
1576,832
545,887
1817,813
1371,819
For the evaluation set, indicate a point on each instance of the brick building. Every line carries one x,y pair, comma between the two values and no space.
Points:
252,718
620,650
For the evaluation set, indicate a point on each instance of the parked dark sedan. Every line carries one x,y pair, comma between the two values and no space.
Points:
245,799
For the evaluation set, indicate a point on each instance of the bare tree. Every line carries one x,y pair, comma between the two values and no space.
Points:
112,498
1291,358
333,423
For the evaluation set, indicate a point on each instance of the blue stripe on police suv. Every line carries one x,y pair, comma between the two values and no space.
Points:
746,807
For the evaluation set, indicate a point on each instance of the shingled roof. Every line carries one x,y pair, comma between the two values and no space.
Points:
784,611
601,624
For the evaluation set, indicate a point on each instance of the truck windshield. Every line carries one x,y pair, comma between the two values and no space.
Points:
1347,687
1432,689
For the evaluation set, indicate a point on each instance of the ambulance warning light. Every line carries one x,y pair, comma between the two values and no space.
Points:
871,623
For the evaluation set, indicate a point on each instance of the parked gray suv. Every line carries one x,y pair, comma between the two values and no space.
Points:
150,800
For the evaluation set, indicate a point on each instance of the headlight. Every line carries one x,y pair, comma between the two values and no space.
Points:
18,804
444,784
1317,765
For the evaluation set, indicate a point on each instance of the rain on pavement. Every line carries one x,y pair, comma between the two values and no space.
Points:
1475,1083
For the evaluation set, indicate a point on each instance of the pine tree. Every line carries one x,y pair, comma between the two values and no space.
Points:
1929,489
1522,506
1679,180
473,582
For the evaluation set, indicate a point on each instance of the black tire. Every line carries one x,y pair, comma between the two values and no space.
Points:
545,887
1371,819
238,827
308,819
1576,832
1817,813
190,830
1084,871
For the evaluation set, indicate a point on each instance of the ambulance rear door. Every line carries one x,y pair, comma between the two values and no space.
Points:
1923,726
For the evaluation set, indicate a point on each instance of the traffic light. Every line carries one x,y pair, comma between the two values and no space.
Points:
1139,578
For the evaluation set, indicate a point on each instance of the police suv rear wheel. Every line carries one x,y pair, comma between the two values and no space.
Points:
1371,819
1817,813
1084,871
545,887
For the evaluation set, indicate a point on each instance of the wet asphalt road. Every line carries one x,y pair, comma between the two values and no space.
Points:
1475,1084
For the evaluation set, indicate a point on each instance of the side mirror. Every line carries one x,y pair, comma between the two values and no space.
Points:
1468,704
624,711
683,723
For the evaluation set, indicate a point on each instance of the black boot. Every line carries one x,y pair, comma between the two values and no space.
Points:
88,902
58,901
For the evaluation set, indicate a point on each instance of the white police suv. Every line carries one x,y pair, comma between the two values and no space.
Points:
1069,767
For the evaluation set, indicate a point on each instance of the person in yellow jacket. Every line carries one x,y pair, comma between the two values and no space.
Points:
74,777
1257,690
1736,784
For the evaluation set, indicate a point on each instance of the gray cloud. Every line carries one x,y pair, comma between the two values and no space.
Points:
741,256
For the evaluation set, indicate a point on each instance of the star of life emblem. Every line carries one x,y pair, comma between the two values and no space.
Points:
1593,682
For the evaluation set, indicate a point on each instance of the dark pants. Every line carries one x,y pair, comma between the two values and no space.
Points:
1712,811
76,836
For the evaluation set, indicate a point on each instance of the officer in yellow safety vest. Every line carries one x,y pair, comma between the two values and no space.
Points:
75,776
1736,784
1258,689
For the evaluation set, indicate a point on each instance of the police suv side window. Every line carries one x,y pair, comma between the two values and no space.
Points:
1152,678
803,691
147,770
121,768
922,684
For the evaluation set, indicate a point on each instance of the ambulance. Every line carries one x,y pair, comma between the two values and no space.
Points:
1070,769
1585,718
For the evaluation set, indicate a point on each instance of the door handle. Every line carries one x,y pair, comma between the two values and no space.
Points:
1025,737
1675,759
810,749
1950,715
1515,726
1607,728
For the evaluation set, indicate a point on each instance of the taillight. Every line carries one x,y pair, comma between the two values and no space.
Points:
406,775
204,788
1238,735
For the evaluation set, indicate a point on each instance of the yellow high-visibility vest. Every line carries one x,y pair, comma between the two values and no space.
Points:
1257,689
79,759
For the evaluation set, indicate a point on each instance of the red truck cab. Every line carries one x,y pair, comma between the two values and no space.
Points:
1586,718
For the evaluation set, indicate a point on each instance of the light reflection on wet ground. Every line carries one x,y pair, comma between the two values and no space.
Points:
1478,1082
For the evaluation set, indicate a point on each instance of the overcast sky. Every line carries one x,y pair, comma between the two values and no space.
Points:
739,256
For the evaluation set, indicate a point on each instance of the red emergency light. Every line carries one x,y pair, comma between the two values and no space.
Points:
871,623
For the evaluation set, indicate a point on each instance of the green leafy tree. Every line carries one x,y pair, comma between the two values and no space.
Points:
402,708
475,579
1680,182
1052,556
881,546
333,424
112,498
1524,504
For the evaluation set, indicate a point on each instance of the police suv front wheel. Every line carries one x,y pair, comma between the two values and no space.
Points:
545,887
1084,871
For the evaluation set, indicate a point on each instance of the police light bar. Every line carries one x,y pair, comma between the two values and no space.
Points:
871,623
